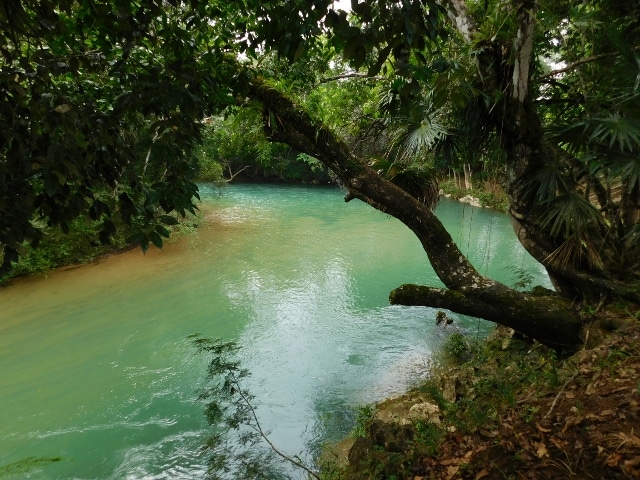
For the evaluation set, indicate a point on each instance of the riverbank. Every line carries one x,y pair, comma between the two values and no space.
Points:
488,195
514,410
80,245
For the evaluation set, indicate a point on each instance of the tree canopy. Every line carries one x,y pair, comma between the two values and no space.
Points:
103,102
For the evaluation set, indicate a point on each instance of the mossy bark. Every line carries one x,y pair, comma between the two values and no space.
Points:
541,317
550,321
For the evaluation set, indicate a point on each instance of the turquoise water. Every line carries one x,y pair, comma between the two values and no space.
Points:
95,363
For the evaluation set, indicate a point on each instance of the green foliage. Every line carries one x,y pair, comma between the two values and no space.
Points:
521,279
429,435
457,346
209,171
236,143
489,193
414,178
234,446
81,245
102,109
94,102
364,415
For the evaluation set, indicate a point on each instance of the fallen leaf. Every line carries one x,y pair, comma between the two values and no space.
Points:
488,434
541,450
482,473
560,444
481,448
452,471
613,460
571,421
542,429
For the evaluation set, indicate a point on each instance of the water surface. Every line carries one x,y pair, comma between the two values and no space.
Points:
96,367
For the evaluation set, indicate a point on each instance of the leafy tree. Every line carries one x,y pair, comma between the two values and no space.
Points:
552,85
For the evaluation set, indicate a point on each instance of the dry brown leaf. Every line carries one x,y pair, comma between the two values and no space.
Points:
542,429
452,471
633,462
560,444
613,460
571,421
541,450
488,434
482,473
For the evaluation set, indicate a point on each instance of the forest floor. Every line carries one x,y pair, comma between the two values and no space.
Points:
515,410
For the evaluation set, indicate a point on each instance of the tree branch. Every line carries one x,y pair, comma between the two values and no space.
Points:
478,295
343,76
544,318
582,61
258,429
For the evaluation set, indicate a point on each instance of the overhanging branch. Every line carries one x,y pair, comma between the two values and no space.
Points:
544,318
582,61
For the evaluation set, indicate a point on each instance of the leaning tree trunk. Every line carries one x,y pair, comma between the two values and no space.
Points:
549,319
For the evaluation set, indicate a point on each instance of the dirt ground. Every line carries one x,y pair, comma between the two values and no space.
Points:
588,429
587,426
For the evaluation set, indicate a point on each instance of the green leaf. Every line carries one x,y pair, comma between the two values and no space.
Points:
156,239
169,220
164,231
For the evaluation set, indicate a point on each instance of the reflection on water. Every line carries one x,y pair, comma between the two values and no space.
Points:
96,365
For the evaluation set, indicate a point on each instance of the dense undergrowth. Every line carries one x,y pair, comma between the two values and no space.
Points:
81,245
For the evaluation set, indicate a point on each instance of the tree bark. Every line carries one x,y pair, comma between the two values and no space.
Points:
556,324
545,317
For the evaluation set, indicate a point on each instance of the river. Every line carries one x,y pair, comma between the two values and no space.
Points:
98,371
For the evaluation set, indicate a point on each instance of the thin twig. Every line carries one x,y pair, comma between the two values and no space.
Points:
348,75
582,61
555,400
258,428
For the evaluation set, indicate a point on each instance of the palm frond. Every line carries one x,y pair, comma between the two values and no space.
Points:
417,180
413,138
571,215
633,236
614,132
617,130
574,251
628,170
547,183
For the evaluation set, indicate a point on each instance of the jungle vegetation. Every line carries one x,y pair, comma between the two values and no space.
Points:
103,108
